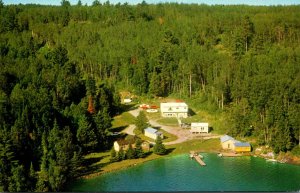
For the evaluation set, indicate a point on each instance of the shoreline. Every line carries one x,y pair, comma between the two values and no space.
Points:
206,146
155,157
121,166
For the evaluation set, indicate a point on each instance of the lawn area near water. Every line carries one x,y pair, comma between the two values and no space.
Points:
99,163
209,145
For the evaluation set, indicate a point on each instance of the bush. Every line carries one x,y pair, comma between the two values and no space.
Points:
296,151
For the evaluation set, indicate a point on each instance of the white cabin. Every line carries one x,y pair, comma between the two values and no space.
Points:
178,110
199,128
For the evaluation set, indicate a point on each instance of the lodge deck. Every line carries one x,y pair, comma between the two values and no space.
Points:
197,158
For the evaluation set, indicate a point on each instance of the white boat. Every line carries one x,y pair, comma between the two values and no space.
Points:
220,155
200,156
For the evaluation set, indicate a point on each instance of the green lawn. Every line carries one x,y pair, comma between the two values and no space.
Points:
168,121
216,121
211,145
122,121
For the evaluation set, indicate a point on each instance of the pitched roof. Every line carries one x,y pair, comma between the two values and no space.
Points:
199,124
241,144
151,130
226,138
127,141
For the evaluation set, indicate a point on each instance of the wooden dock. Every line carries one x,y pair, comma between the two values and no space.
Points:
197,158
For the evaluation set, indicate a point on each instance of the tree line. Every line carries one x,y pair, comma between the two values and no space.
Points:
62,67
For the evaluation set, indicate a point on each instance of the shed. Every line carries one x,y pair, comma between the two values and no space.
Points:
242,147
153,133
127,100
199,128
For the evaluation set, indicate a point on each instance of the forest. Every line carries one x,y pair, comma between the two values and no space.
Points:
62,67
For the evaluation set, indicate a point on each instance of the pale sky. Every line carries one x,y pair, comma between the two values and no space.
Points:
209,2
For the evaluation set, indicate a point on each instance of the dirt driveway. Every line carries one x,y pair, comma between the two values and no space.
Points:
181,134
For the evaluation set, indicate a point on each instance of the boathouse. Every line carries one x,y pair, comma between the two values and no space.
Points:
153,133
227,142
174,109
242,147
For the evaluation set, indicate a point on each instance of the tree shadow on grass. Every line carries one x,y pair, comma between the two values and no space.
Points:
118,129
169,150
191,112
127,107
90,166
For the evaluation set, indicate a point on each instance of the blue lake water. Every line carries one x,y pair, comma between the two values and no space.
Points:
179,173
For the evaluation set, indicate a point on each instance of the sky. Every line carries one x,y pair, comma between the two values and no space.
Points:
209,2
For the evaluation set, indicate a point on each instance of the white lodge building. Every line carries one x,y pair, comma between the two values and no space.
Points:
179,110
199,128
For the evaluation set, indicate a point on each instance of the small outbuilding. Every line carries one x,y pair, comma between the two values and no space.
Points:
128,100
153,133
199,128
242,147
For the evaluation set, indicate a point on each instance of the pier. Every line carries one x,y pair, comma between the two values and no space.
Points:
197,158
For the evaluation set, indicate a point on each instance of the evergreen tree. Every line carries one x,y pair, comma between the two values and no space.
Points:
138,148
130,153
32,180
7,159
113,155
141,122
85,134
159,147
121,155
18,180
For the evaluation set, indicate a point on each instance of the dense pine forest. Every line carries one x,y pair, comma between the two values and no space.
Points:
62,67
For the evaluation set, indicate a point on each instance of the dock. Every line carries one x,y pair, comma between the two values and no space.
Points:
197,158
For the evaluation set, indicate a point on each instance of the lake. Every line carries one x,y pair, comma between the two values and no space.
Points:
180,173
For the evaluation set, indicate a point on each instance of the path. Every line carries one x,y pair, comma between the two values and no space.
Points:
181,134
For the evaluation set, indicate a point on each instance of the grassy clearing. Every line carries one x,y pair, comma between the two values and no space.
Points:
153,116
211,145
216,121
168,121
101,164
122,120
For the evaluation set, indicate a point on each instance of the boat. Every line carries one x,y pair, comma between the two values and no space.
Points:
201,156
220,155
